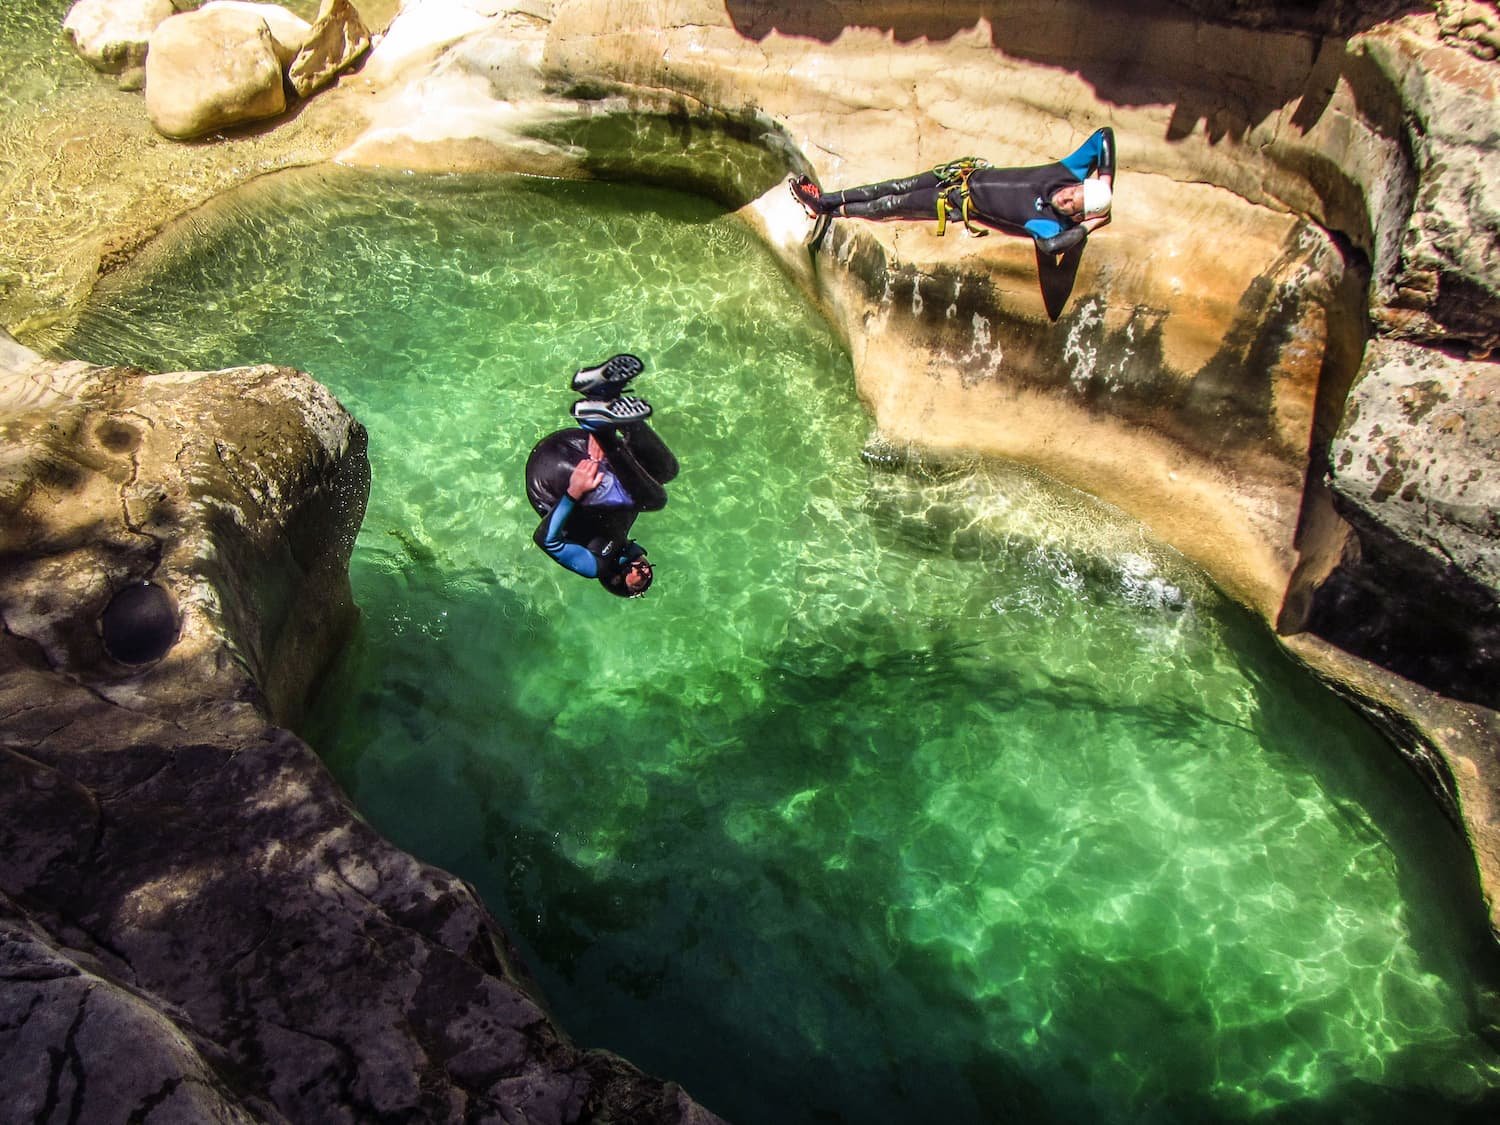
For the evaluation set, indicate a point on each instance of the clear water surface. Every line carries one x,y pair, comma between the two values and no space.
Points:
910,793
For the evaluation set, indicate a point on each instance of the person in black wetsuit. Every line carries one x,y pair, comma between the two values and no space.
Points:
1057,204
589,484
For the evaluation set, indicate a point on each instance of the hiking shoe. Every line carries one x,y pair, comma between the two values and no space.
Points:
611,412
608,379
805,192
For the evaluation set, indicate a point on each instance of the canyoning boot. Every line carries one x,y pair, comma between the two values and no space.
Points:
593,413
806,193
609,378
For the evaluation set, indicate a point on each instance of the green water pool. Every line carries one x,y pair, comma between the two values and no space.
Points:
911,792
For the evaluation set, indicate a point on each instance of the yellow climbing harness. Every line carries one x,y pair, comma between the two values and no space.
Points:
955,174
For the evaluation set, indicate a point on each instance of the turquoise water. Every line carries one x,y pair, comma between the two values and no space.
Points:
910,792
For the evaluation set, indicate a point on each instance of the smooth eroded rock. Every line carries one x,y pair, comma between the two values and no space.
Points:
334,43
212,70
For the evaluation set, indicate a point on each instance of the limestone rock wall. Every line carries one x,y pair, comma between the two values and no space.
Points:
1416,472
194,924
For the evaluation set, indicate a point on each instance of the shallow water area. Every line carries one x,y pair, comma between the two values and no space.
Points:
84,176
911,791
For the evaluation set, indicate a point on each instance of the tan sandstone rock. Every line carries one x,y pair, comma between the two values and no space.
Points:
334,42
210,70
113,34
289,31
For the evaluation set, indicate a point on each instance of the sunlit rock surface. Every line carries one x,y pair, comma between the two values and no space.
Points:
1296,180
193,921
112,34
332,44
212,68
212,65
288,30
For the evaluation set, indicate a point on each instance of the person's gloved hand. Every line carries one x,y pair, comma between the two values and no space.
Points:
584,479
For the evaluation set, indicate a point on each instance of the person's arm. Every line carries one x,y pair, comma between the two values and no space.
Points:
549,533
549,537
1064,240
1096,156
1052,237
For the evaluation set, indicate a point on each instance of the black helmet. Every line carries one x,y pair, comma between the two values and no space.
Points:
615,583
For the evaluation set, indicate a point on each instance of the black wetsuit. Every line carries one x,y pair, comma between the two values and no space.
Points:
593,539
1014,200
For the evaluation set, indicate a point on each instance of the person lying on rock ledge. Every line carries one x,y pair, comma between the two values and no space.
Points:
1058,204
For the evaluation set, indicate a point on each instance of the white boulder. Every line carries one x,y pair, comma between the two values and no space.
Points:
113,34
289,31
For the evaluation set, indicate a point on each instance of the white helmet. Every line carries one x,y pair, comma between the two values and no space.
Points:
1097,198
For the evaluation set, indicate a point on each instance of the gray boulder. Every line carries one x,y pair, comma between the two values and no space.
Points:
1415,470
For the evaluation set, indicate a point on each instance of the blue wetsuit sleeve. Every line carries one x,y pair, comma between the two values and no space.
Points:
549,537
1043,228
1097,154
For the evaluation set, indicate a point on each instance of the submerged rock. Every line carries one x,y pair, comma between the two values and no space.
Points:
193,921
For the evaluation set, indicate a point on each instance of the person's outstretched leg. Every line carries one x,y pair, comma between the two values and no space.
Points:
918,204
886,189
912,197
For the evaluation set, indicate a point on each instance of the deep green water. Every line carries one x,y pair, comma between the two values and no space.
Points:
910,793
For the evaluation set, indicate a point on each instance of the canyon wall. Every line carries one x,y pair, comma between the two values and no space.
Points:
1277,355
